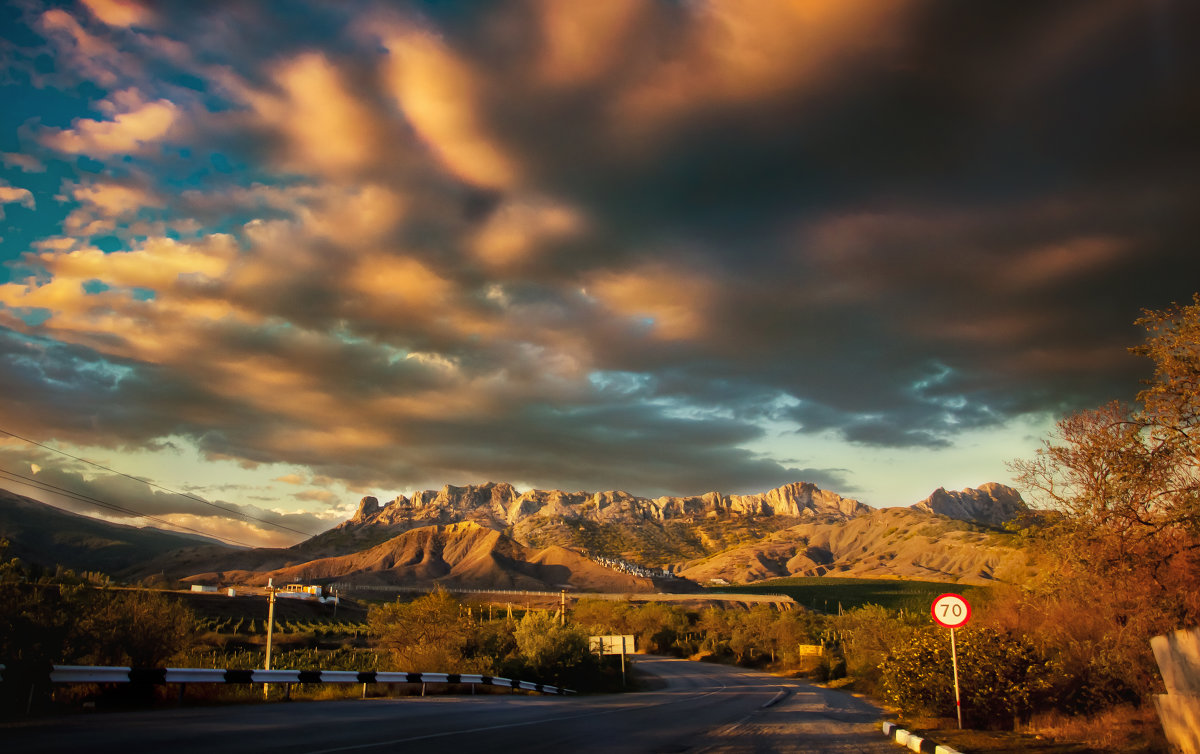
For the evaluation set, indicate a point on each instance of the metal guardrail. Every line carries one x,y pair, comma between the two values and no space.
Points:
157,676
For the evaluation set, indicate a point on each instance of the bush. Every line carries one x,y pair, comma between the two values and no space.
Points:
555,654
1002,677
429,634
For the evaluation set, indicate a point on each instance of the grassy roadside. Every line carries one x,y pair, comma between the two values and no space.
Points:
1124,730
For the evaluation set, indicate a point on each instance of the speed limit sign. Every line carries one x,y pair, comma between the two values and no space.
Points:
951,610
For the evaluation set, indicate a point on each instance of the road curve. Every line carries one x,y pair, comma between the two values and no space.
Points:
702,708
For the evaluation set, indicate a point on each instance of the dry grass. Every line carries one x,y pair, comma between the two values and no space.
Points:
1124,729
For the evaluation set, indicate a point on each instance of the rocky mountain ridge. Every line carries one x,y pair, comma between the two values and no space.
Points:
990,504
796,529
500,505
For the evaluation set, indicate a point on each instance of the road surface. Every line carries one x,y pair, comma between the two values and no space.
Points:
702,708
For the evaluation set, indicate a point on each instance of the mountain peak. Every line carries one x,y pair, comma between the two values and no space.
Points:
992,504
367,507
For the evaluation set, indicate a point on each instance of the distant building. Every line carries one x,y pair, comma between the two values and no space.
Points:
300,591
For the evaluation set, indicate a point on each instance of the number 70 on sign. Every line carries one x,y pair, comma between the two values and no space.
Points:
951,611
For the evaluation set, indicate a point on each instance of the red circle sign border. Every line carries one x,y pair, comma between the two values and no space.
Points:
939,621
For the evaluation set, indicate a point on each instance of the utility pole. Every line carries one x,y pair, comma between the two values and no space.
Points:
562,608
270,630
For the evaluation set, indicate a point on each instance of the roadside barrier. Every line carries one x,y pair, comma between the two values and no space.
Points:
158,676
914,742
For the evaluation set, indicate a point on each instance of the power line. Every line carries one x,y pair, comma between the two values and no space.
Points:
189,496
47,487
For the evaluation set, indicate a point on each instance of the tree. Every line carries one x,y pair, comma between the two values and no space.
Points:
428,634
1124,484
1126,479
558,654
139,628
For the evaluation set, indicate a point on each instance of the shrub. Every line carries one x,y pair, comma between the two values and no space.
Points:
1002,677
555,654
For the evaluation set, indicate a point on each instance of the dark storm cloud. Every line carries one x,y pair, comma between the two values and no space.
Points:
1013,192
457,248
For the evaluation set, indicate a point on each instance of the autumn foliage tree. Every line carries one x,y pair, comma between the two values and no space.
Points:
1124,481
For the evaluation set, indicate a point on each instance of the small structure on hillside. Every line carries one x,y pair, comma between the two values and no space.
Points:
307,592
301,591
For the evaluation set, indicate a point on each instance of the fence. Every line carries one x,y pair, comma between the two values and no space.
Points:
158,676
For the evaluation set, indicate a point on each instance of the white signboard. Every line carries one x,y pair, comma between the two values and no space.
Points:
611,645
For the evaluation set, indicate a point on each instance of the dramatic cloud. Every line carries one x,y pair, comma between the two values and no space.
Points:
666,247
134,125
15,195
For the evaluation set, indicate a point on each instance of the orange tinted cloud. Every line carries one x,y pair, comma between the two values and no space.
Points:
1051,264
581,40
737,51
674,300
439,95
15,195
134,125
514,231
327,128
103,204
394,284
157,265
89,54
118,12
358,216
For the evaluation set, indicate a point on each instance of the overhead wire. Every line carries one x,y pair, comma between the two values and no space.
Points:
47,487
188,496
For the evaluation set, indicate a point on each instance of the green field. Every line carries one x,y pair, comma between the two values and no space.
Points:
826,594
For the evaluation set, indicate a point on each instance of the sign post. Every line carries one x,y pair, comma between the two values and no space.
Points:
952,611
613,645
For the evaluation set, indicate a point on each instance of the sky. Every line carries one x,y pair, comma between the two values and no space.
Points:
276,256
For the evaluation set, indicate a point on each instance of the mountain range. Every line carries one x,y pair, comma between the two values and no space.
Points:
493,536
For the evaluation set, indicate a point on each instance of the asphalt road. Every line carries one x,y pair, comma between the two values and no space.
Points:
703,708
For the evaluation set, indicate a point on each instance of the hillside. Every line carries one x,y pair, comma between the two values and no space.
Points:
41,534
461,554
908,543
